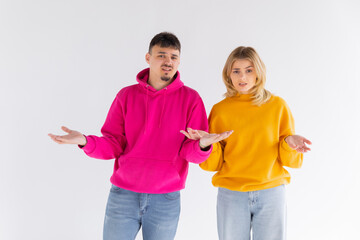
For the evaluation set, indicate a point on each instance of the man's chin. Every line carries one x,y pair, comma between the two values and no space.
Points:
165,78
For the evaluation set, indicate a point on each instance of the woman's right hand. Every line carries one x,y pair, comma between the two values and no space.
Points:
72,137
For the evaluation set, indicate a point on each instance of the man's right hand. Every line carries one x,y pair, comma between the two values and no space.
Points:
72,137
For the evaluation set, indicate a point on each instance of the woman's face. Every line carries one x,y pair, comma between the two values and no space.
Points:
243,76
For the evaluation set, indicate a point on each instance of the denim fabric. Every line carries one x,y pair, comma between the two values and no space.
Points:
127,211
260,213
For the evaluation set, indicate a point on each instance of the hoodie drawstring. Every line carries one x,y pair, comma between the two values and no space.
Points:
146,107
163,106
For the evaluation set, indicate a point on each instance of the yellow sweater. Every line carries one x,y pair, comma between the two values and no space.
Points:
252,158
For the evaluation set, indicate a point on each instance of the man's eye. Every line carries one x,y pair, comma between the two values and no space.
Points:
174,58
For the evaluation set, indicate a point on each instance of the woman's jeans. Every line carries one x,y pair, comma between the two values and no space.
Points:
263,212
127,211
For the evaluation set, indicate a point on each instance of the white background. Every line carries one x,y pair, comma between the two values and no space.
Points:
62,63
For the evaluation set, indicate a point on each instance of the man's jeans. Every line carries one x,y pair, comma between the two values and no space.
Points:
262,211
127,211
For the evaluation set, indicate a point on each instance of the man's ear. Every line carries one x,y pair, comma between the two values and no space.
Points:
147,58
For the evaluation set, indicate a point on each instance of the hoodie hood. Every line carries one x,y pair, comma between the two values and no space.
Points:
143,78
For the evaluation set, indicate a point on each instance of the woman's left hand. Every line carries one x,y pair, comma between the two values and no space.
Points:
298,143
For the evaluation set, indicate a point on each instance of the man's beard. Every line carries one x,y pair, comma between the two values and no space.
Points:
165,78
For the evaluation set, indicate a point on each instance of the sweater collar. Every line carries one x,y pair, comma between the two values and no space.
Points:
244,97
143,76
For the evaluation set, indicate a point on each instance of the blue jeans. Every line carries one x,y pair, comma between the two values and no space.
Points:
127,211
263,212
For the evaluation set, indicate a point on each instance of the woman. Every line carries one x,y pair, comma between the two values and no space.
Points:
250,163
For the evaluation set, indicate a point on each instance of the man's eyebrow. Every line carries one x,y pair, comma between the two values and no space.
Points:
173,54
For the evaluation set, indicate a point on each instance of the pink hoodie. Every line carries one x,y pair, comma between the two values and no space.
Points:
142,132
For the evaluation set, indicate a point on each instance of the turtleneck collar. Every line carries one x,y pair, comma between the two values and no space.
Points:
244,97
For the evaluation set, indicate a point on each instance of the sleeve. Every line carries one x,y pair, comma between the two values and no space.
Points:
288,156
190,149
112,142
216,158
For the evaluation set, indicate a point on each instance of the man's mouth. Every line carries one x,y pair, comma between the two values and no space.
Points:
166,69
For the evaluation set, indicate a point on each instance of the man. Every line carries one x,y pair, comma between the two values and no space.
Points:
141,132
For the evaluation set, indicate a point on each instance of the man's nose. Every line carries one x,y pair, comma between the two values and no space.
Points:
168,60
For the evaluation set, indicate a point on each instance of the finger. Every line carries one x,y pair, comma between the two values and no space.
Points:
53,137
306,149
59,142
225,135
55,140
203,133
303,149
193,132
222,137
65,129
185,133
216,138
300,150
292,145
228,133
307,141
60,139
198,134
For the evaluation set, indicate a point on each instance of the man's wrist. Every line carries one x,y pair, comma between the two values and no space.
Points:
204,148
83,145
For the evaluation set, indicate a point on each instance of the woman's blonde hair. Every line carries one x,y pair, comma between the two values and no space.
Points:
260,94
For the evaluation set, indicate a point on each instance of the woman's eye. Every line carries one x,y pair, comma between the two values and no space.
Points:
249,71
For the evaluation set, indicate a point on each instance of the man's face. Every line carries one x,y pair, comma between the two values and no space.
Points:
163,62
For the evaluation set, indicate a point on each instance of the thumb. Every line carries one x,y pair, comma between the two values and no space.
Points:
65,129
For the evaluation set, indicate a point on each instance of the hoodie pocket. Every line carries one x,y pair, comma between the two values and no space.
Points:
147,173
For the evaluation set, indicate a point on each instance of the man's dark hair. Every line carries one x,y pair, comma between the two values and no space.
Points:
166,40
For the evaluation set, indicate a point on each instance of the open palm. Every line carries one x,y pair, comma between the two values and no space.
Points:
298,143
72,137
206,139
